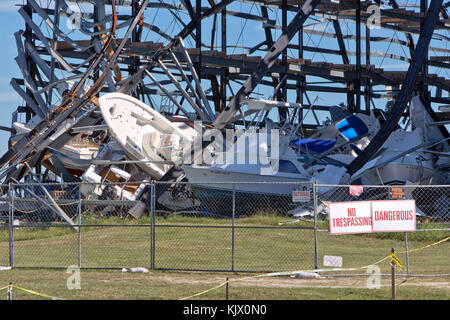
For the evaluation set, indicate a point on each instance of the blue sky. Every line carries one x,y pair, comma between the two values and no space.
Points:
241,33
10,22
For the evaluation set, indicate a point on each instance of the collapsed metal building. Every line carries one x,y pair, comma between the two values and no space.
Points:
203,59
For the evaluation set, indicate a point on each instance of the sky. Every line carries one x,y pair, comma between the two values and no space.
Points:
10,22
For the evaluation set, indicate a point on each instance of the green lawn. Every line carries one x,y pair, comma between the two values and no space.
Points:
170,285
199,243
183,242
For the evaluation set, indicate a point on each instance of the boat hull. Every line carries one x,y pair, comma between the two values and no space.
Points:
252,193
142,132
398,173
277,185
219,202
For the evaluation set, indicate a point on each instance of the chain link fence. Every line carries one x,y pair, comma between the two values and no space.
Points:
415,249
240,227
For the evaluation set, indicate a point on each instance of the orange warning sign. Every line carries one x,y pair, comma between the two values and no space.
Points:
397,193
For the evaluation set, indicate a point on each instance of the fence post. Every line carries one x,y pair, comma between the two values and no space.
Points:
9,295
152,224
407,252
393,277
11,226
232,226
316,253
79,224
227,290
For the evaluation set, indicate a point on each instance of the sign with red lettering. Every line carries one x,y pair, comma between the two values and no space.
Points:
394,215
356,191
301,196
350,217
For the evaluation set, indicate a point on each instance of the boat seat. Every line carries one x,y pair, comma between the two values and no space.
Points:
153,141
315,145
352,128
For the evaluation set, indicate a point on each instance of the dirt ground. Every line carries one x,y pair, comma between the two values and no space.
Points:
289,282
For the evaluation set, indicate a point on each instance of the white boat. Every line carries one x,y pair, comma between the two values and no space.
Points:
399,161
144,134
103,177
267,184
78,152
74,155
147,136
403,158
340,142
221,177
321,157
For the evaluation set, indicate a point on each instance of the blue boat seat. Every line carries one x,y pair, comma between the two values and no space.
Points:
315,145
352,128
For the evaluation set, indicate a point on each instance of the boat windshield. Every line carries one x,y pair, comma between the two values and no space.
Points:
352,128
287,166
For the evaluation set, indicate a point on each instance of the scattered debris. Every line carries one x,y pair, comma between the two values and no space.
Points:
305,275
138,269
126,111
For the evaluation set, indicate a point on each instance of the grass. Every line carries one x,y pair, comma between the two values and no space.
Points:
183,242
159,285
188,242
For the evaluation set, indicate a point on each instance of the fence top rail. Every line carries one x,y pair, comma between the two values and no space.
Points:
238,182
386,186
157,182
76,184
